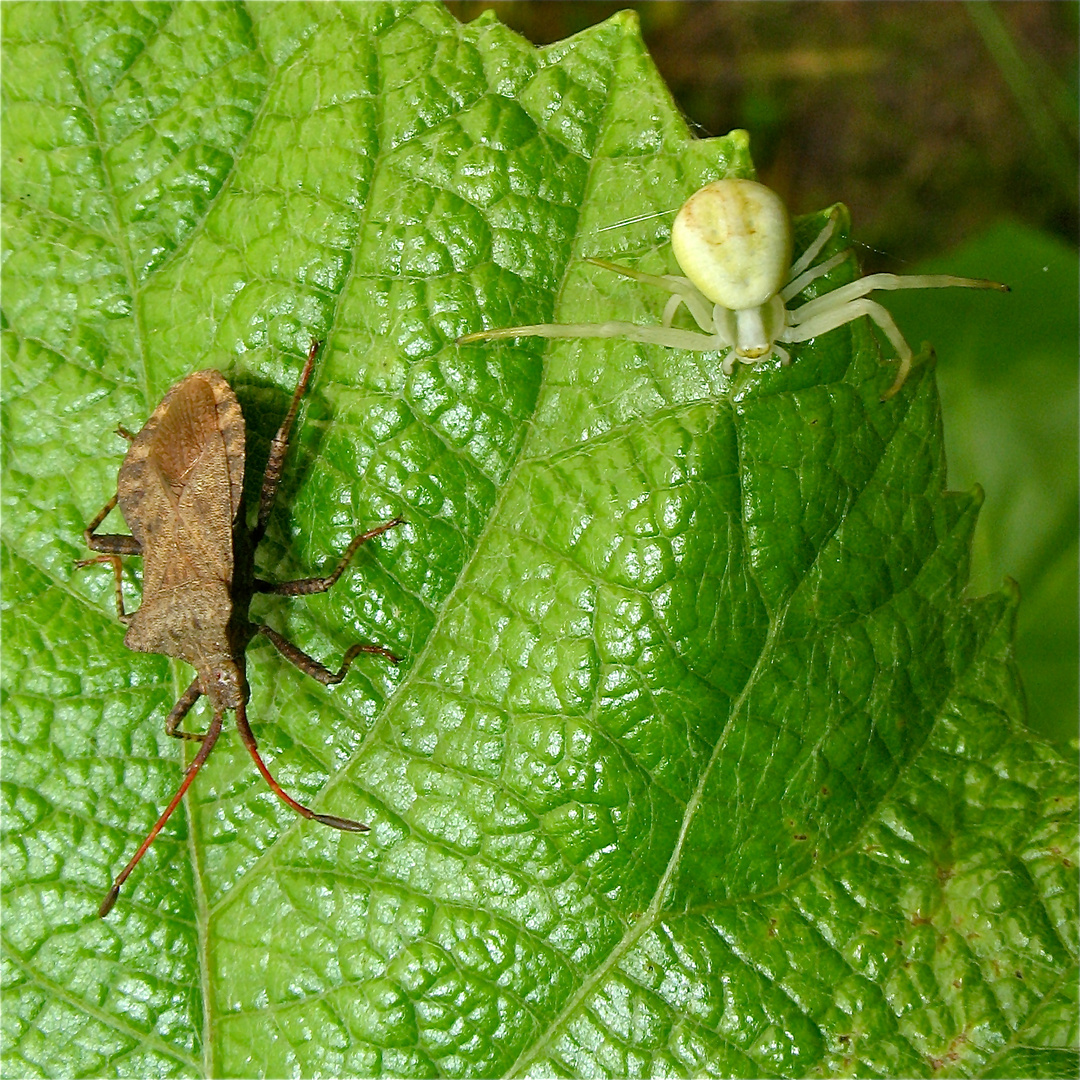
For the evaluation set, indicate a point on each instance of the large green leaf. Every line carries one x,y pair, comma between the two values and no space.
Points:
1011,425
701,761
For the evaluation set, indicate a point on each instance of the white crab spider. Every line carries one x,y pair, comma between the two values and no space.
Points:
732,239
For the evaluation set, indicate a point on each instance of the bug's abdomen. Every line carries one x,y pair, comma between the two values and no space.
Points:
186,622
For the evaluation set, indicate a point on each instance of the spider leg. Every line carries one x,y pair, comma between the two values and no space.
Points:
673,305
830,319
890,281
797,285
811,253
650,335
691,296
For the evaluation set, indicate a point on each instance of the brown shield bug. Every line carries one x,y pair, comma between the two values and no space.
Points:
180,490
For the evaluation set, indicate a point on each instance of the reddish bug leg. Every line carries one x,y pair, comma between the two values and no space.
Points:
279,445
310,666
118,577
112,543
180,710
345,824
306,586
204,752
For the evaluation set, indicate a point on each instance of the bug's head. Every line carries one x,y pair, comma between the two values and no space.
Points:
224,684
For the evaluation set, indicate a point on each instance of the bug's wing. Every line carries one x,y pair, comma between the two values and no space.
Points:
201,430
181,483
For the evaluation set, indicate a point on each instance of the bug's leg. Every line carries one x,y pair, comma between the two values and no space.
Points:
280,444
180,710
103,513
310,666
650,335
306,586
118,578
346,824
204,752
112,543
828,320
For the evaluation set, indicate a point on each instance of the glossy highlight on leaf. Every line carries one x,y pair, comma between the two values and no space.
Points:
702,761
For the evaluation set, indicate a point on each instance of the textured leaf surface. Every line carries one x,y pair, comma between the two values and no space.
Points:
1011,425
701,763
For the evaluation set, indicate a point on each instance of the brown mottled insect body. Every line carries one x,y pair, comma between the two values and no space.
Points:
180,490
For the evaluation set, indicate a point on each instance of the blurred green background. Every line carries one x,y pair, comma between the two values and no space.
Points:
950,130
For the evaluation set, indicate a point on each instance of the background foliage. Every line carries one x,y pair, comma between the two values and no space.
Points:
702,759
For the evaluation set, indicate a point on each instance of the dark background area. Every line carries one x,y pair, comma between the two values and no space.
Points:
929,120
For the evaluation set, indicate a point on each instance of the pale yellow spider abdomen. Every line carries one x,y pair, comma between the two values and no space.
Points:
733,241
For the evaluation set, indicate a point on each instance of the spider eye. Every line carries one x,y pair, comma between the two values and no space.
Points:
733,241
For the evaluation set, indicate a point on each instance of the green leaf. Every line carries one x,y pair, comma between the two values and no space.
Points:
1011,425
701,761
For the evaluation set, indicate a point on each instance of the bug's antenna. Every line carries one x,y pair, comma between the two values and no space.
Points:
204,752
346,824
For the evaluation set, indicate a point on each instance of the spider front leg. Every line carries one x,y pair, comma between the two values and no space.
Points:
647,335
712,340
825,320
888,282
